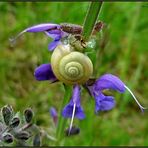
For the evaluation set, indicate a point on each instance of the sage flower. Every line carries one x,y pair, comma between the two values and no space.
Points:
108,81
73,108
52,30
102,103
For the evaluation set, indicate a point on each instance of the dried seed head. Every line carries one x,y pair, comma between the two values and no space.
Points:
7,113
8,138
23,135
14,122
28,113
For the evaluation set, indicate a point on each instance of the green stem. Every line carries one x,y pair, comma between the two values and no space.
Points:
91,18
62,121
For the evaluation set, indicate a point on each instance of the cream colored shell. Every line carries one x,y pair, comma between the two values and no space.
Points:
71,67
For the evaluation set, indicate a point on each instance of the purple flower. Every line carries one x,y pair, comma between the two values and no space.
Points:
102,102
52,30
44,72
73,108
54,115
74,105
108,81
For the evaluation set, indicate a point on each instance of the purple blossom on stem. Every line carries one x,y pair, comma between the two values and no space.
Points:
54,115
108,81
73,108
52,30
74,103
102,102
44,72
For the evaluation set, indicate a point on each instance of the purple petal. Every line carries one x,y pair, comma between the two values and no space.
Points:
56,34
76,95
68,109
53,45
104,103
53,112
53,34
56,31
75,99
44,72
54,115
42,27
109,81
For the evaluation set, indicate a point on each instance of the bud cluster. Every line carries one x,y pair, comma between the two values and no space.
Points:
16,129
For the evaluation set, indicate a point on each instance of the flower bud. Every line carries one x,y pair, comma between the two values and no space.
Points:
54,115
14,122
8,138
28,113
7,113
73,131
23,135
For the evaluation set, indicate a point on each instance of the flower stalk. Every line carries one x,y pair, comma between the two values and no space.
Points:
62,121
91,18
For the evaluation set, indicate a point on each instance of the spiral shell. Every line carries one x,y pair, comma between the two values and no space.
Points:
71,67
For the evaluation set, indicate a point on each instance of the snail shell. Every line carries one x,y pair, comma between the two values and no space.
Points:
69,66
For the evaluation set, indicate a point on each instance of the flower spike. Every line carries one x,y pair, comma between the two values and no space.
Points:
141,107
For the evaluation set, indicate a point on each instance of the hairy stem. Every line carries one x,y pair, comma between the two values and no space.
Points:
90,19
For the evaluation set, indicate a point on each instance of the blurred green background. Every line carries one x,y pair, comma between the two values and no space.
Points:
122,51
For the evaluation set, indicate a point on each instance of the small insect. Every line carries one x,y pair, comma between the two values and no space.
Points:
73,131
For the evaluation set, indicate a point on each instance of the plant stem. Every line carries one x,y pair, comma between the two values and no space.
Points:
91,18
62,121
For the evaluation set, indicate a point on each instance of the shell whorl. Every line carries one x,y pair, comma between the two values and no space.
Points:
71,67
